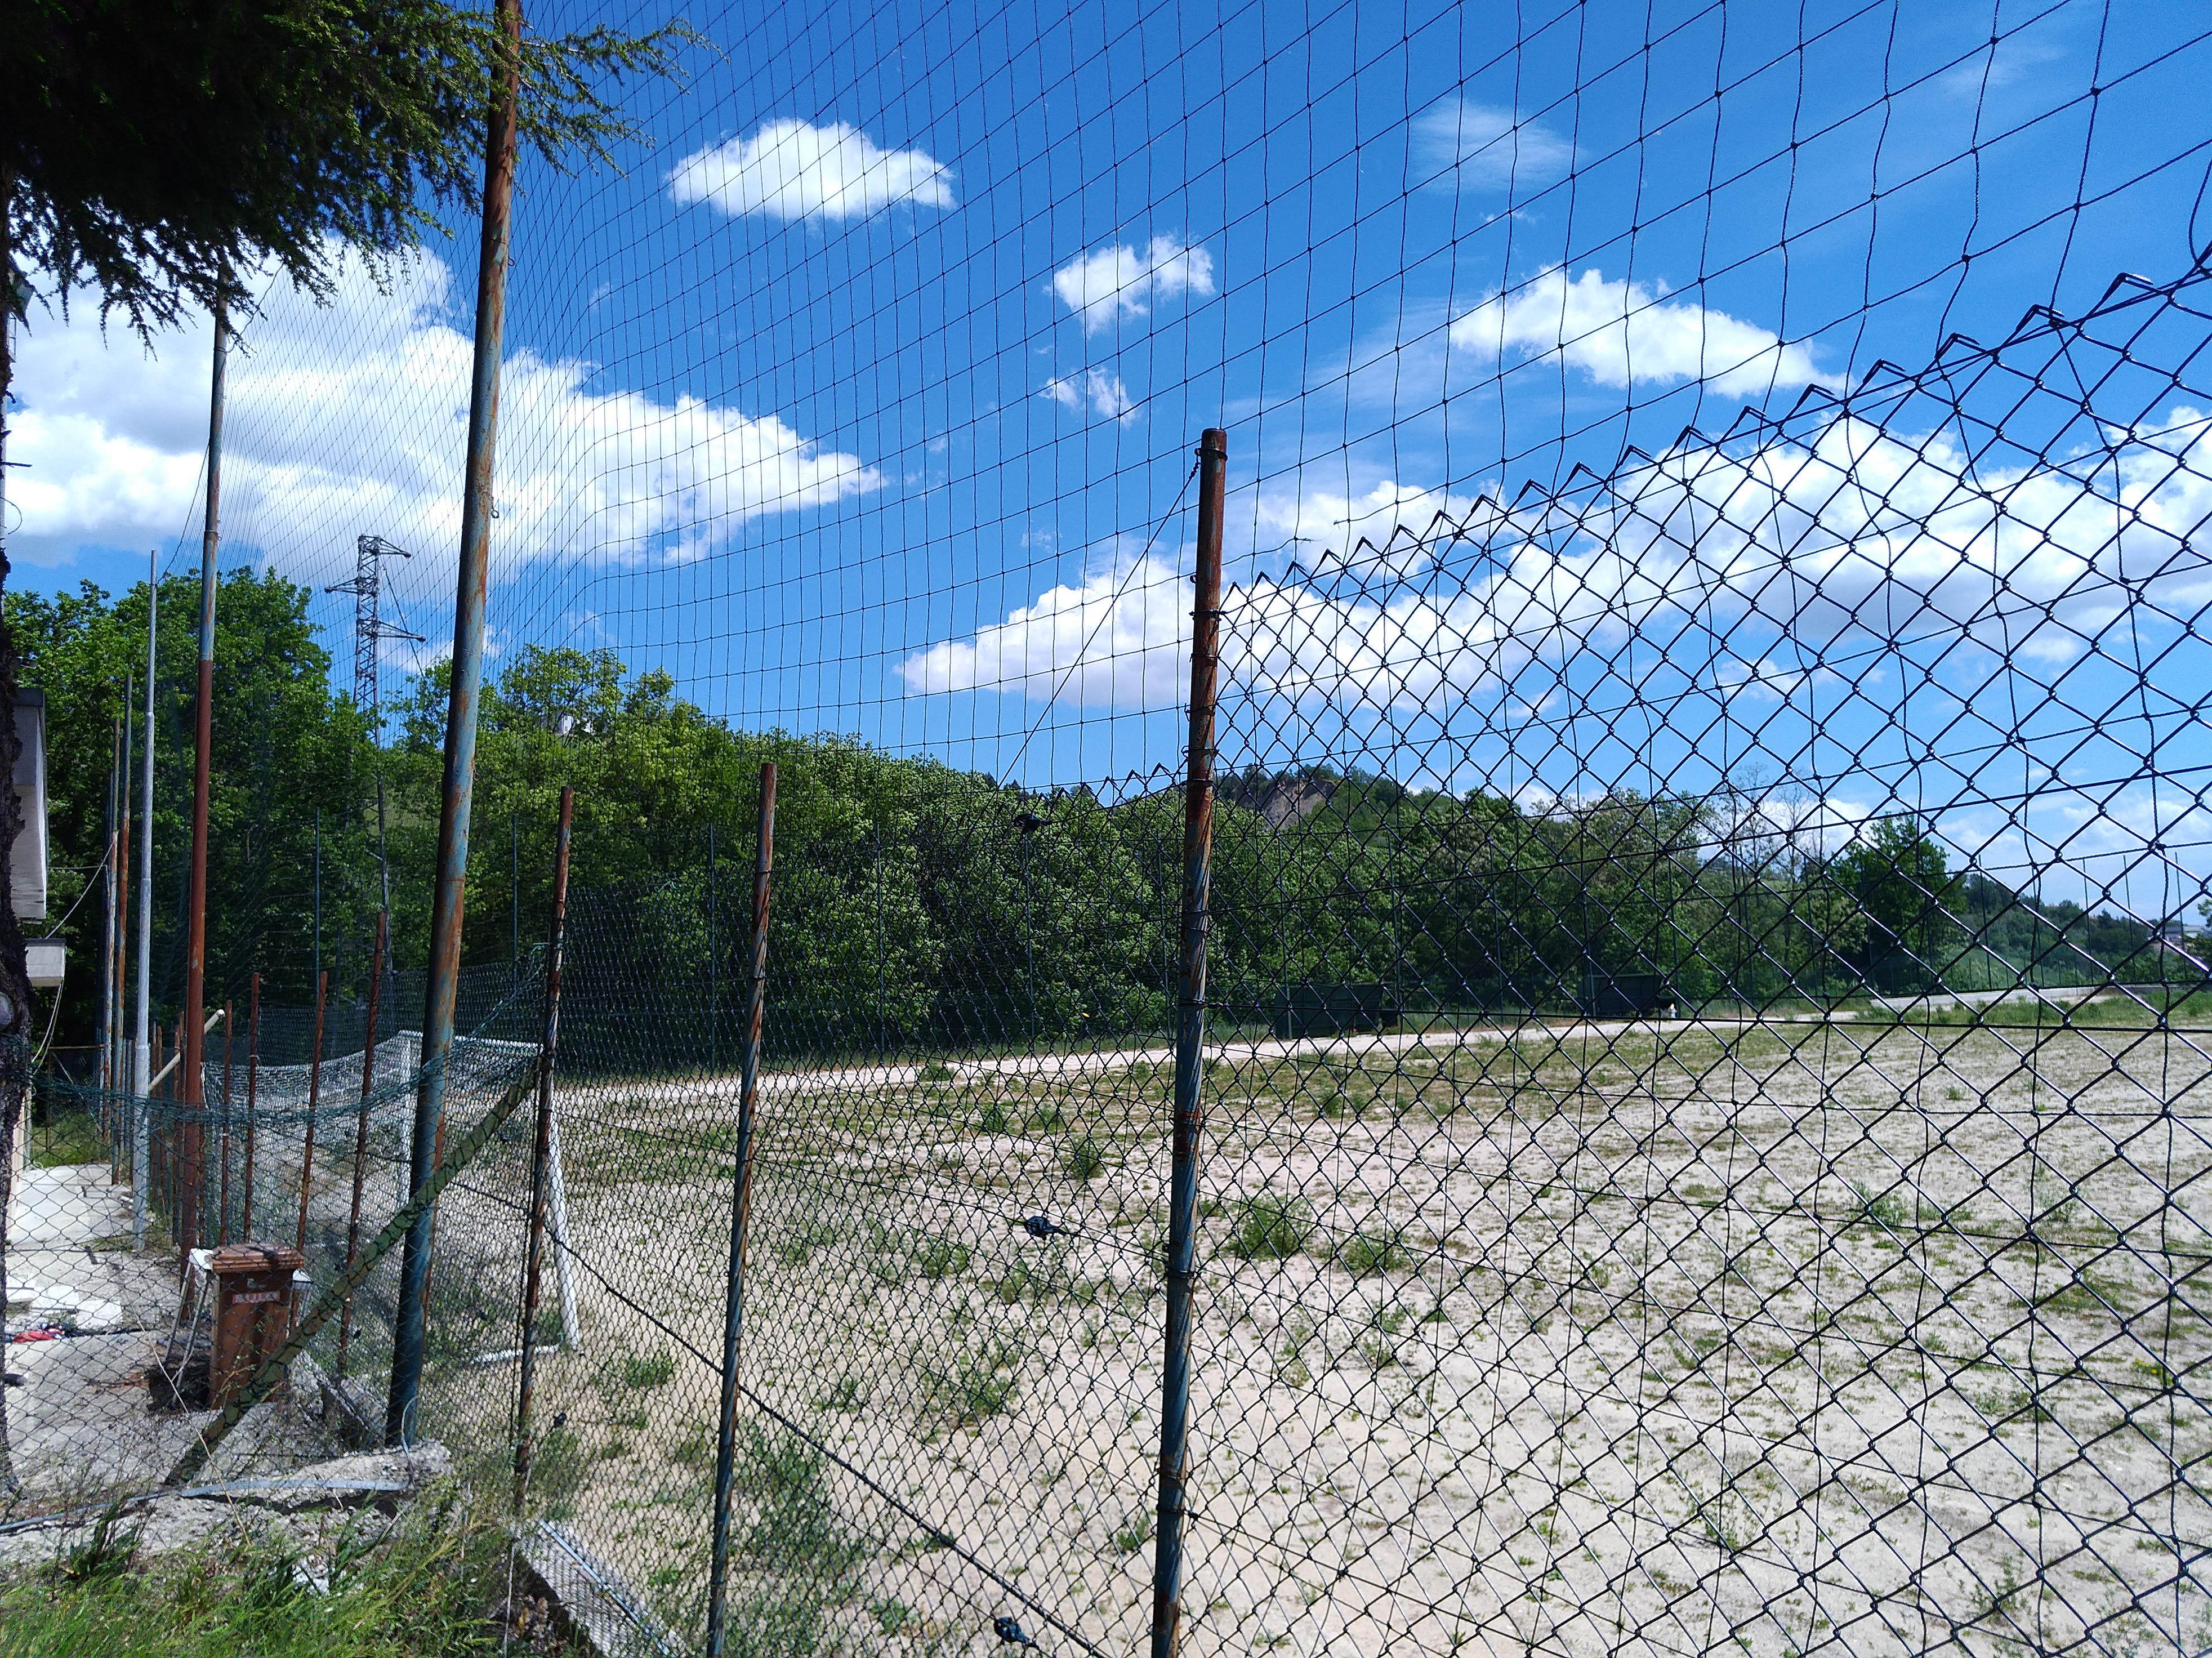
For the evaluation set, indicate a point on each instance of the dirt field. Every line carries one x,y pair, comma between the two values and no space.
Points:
1808,1337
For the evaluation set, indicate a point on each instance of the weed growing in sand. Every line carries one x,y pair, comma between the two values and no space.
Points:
1271,1228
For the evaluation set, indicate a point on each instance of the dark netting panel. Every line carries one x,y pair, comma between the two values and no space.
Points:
1703,1079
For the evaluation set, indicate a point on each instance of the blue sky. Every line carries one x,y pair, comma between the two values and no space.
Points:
860,399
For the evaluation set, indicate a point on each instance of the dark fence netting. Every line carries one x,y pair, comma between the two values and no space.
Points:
1656,1103
115,1327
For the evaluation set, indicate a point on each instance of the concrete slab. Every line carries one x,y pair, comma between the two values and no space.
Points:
72,1207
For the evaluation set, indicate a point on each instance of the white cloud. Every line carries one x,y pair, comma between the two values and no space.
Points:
1623,332
1095,390
1854,532
1460,144
792,170
353,417
1119,639
1122,281
1393,528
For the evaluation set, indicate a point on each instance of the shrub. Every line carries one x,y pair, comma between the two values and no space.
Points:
1365,1254
1271,1228
940,1258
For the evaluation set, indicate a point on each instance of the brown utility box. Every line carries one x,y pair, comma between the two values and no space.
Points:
253,1312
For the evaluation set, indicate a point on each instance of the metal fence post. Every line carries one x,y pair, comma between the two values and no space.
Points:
252,1089
1190,1057
192,1079
548,1041
360,1127
718,1578
223,1198
459,788
314,1100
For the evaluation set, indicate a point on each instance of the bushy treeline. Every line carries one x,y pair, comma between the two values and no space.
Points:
915,903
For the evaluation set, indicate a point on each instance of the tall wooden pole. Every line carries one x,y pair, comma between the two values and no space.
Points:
192,1091
447,900
1190,1054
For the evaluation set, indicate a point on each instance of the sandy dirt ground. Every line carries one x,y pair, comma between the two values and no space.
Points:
1811,1336
1806,1336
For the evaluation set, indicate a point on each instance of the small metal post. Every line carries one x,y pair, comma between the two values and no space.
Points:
548,1041
449,896
222,1199
881,1043
175,1161
717,1571
360,1131
315,1098
253,1080
1190,1056
713,962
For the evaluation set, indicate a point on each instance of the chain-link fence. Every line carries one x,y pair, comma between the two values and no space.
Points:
116,1364
1700,1210
1691,1135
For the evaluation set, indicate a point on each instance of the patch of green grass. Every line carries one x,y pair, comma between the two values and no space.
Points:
557,1466
791,1525
891,1616
1365,1254
937,1071
2086,1292
940,1258
1133,1533
1727,1522
994,1119
775,1624
795,1245
1884,1210
1271,1228
421,1588
1084,1161
1047,1119
66,1138
982,1385
646,1370
1020,1283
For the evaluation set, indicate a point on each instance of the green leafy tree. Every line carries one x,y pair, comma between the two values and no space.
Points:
162,155
287,752
1906,894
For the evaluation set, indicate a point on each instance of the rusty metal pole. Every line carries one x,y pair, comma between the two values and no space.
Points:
361,1129
717,1571
192,1090
252,1081
541,1153
314,1099
448,902
1190,1055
